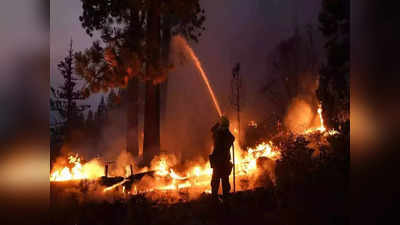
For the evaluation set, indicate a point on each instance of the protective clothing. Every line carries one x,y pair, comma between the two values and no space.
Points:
220,158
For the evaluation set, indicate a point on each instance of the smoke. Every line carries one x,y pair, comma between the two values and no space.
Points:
302,110
189,51
190,114
300,115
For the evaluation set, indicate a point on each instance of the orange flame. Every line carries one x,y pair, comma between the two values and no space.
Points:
77,171
321,128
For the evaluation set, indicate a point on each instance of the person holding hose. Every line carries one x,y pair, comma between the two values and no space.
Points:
220,159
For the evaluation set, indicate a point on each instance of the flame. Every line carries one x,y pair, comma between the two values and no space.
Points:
247,162
77,171
176,176
115,185
162,168
252,123
198,175
321,128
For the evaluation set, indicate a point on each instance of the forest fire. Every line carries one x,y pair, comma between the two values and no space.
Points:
160,115
165,177
321,128
76,171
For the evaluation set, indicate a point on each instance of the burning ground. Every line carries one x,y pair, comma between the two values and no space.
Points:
284,180
166,176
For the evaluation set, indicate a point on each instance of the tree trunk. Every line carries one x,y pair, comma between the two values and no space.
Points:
151,142
165,49
132,106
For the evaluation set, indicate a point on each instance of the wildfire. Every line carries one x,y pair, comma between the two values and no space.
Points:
77,171
321,128
247,162
163,175
198,175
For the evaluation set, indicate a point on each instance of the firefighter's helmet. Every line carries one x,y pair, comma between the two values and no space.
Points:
224,122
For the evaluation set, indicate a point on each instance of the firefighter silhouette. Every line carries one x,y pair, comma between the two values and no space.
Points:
220,157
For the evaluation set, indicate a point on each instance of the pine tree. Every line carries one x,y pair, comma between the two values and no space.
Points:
113,102
101,113
89,119
64,98
136,35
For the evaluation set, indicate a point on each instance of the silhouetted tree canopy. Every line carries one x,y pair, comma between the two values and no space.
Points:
334,88
291,61
64,98
122,52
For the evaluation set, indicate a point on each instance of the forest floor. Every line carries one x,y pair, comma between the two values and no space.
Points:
257,206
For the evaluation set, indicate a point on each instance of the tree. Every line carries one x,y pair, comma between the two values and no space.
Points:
334,85
112,100
136,37
291,60
64,99
101,113
90,121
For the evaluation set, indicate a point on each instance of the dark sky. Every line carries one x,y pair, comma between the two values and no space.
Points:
236,30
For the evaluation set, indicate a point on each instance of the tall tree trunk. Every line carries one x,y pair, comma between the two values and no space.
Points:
151,142
132,106
165,49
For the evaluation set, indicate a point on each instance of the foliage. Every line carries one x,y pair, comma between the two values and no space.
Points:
320,180
334,82
291,61
127,39
67,113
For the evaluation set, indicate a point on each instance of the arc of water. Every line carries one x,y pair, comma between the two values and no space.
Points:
197,63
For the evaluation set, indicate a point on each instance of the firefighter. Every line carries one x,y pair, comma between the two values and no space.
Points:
220,157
